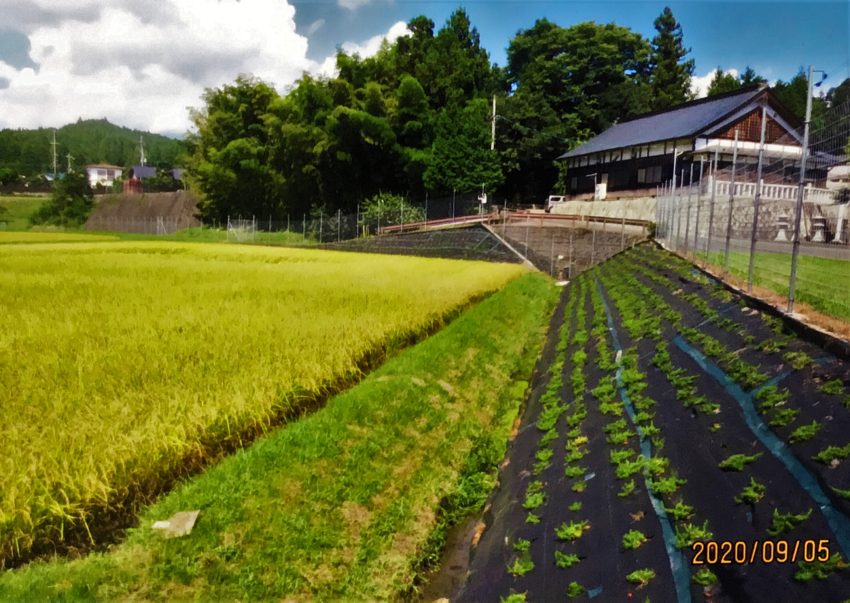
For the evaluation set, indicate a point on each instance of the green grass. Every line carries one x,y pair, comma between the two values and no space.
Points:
818,279
125,364
342,504
15,211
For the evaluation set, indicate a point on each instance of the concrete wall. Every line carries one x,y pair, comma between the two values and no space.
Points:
641,208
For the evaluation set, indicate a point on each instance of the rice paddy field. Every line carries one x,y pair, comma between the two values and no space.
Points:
125,366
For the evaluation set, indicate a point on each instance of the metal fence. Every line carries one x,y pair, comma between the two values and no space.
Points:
771,215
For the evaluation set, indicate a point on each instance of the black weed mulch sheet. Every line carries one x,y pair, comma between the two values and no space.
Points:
753,554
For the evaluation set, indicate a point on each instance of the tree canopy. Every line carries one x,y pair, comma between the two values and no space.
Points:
670,73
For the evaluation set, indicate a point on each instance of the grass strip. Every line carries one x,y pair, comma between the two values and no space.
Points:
345,503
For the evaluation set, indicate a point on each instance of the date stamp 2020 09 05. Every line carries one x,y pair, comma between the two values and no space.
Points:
727,552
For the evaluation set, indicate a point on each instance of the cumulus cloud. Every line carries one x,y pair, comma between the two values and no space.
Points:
142,66
352,4
699,84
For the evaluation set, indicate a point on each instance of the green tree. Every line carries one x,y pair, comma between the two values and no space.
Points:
793,93
567,84
750,77
840,94
461,158
70,204
670,73
231,160
722,82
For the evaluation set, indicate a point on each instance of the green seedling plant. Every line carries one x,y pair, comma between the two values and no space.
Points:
752,493
782,523
534,496
680,511
641,577
532,519
737,462
522,545
627,489
514,598
575,507
689,533
783,417
574,471
572,530
832,388
797,360
633,539
820,570
666,486
566,560
804,432
705,577
832,453
521,566
575,590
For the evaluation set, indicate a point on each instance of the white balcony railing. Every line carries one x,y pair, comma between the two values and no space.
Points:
774,192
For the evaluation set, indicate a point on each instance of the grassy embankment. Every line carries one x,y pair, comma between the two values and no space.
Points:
125,365
821,282
345,503
15,211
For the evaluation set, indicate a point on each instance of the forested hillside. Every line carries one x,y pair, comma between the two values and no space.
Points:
29,152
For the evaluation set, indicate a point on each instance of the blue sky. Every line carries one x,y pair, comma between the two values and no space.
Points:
143,64
775,38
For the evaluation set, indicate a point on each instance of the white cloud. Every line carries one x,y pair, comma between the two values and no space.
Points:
143,68
364,49
373,44
314,27
699,84
352,4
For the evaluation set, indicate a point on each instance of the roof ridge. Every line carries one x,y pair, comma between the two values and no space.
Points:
698,101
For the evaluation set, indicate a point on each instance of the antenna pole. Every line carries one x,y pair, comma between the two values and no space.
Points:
53,144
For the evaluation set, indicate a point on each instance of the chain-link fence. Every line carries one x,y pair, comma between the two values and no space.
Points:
748,210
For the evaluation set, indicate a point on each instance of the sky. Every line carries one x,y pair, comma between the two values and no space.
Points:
144,64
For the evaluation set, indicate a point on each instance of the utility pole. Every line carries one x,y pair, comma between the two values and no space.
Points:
493,127
142,150
70,158
53,144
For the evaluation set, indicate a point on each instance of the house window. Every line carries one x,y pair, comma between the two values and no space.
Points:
574,183
641,175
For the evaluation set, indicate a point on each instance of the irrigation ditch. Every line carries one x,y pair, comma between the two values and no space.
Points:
684,443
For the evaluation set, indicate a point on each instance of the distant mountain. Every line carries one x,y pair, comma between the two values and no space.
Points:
88,141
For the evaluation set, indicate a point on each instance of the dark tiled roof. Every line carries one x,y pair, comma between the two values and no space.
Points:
144,171
681,122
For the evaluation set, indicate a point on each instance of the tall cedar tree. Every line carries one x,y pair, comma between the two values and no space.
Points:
670,73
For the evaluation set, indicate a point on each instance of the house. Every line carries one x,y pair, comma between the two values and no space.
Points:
103,174
634,157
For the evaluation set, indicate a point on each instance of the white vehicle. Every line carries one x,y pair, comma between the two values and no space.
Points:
552,200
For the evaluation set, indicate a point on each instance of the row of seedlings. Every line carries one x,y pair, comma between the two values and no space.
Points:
780,523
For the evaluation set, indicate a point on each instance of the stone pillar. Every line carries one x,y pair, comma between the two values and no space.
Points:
783,224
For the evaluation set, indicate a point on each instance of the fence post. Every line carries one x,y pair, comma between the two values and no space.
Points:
678,205
756,203
453,204
402,216
304,225
593,248
321,224
357,222
711,206
699,206
688,213
795,242
270,222
338,224
570,261
552,256
287,222
623,230
527,221
731,203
